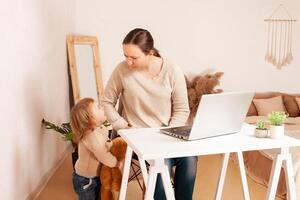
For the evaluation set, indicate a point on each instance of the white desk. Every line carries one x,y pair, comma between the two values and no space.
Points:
149,144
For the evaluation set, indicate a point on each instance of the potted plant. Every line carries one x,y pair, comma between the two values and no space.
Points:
65,130
277,119
261,130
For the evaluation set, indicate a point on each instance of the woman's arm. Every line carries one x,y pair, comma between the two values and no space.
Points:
112,93
180,104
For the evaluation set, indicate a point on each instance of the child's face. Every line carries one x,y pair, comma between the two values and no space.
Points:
98,112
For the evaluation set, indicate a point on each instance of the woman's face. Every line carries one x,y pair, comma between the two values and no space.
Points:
98,112
135,57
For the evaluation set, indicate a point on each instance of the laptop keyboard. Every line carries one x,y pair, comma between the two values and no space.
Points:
181,132
184,131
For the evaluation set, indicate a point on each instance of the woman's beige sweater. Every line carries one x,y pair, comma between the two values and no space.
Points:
92,151
146,102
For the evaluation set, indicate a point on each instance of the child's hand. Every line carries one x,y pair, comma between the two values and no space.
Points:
108,144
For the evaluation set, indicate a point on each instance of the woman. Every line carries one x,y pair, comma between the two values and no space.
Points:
152,93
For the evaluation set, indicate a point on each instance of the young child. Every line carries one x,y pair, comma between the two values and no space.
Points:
86,120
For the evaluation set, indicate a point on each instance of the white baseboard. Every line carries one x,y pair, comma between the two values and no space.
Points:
44,180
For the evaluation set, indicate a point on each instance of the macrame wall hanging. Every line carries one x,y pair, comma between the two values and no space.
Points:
279,40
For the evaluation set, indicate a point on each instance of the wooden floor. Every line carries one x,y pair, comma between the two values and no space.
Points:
60,185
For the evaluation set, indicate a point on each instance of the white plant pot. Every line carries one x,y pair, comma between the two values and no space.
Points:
261,133
276,132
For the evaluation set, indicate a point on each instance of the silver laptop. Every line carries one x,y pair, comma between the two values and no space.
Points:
217,114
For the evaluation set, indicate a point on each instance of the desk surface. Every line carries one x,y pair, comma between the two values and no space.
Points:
149,144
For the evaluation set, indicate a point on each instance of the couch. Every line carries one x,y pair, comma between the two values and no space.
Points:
259,163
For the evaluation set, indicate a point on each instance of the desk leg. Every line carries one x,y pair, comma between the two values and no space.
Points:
126,170
159,167
275,172
289,176
144,170
284,158
243,175
167,183
222,176
151,183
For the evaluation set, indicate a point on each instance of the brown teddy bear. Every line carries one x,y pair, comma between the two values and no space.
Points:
202,84
111,177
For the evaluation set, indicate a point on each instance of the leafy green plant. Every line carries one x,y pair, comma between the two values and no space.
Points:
261,125
64,129
277,118
106,123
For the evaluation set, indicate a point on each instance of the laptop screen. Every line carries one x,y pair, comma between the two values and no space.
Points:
217,114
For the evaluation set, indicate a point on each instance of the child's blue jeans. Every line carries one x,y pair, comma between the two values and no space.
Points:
86,188
184,178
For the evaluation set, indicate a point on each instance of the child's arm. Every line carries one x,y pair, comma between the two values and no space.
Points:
95,142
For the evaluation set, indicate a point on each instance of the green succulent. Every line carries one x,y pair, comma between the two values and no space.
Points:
277,118
261,124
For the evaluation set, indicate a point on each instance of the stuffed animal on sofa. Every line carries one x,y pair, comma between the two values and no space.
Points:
111,177
202,84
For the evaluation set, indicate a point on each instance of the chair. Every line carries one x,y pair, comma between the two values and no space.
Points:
136,172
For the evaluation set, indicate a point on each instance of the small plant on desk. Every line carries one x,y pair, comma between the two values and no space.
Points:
261,130
277,119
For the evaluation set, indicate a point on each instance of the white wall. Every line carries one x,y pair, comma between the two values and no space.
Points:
201,36
33,84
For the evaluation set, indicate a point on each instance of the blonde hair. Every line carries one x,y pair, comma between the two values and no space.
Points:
82,118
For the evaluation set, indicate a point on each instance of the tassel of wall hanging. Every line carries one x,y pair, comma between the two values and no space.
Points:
279,38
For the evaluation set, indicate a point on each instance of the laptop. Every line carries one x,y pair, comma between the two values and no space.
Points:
217,114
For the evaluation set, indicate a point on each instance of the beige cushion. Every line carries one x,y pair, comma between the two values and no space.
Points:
264,106
298,101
